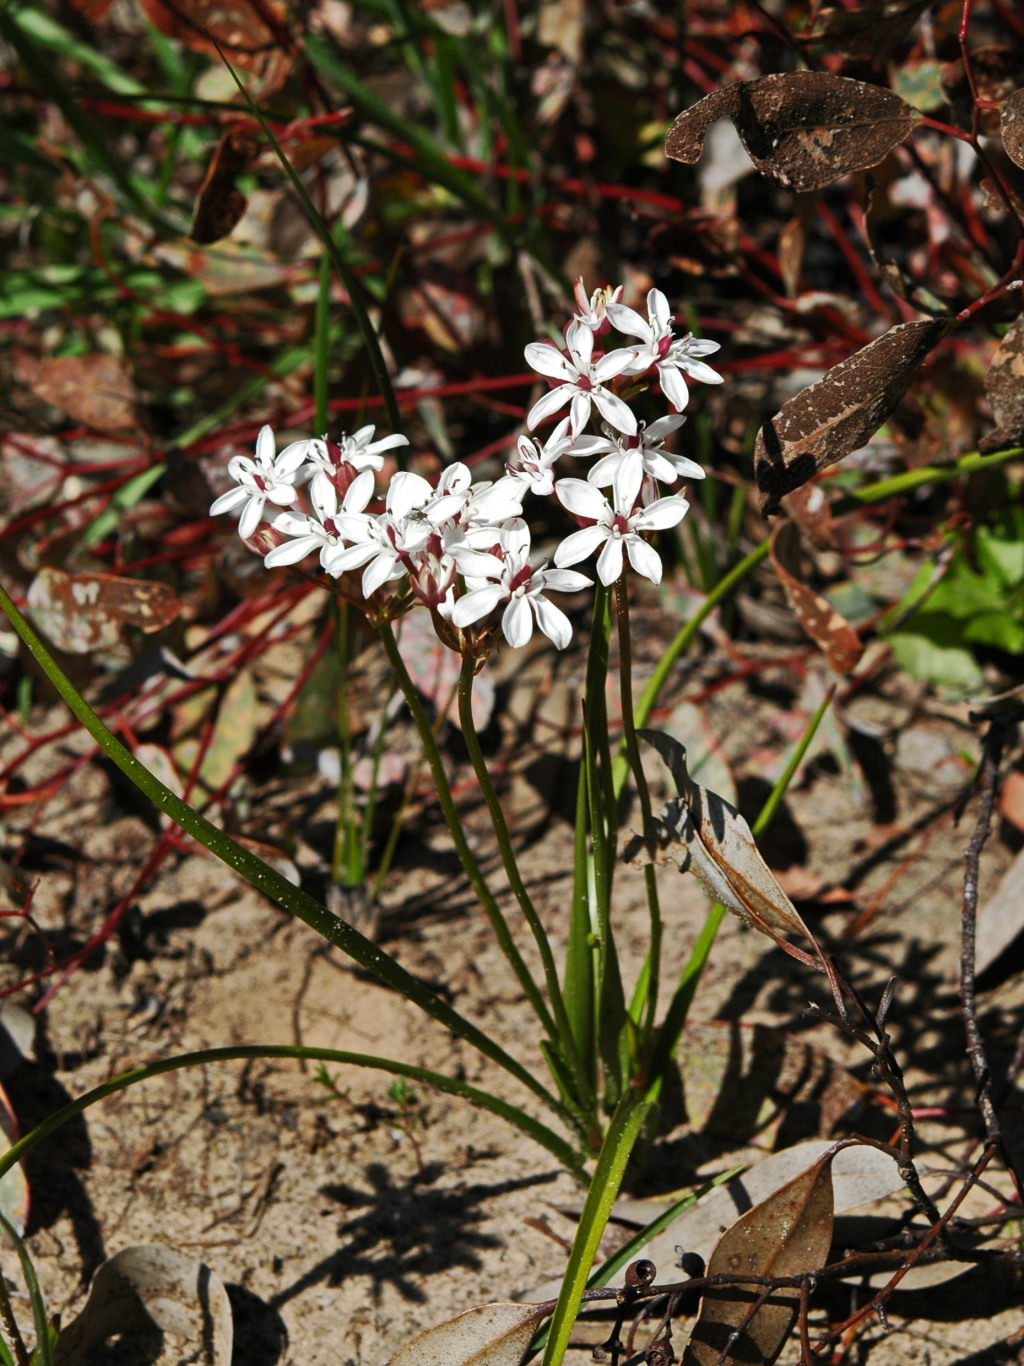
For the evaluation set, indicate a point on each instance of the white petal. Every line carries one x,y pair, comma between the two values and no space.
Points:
553,622
378,572
480,603
477,564
265,446
644,558
359,492
663,513
609,562
602,473
614,411
625,319
581,498
543,357
580,340
291,552
565,581
659,312
281,495
406,492
673,386
252,515
549,403
227,502
616,363
353,556
626,484
517,623
579,413
696,369
657,431
580,544
685,469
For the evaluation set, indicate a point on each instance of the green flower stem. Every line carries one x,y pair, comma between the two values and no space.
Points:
470,866
564,1038
540,1133
645,998
971,463
682,639
348,277
622,1134
293,899
43,1354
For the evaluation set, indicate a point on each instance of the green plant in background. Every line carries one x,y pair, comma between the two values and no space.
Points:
970,595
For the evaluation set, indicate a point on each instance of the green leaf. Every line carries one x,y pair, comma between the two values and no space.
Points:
932,645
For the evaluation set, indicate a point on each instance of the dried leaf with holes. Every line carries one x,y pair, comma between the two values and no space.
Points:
83,612
873,29
1011,125
708,837
803,129
841,411
95,390
788,1234
1004,389
829,629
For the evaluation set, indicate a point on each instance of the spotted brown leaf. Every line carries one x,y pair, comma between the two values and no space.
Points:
841,411
804,129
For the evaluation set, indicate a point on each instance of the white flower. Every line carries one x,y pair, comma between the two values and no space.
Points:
536,462
321,463
617,524
378,544
268,478
671,356
508,577
646,449
581,381
320,531
592,311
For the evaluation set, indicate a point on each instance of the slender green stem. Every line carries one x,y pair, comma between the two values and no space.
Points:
971,463
293,899
604,1187
472,869
322,345
43,1354
519,1119
346,274
10,1323
645,998
565,1038
681,641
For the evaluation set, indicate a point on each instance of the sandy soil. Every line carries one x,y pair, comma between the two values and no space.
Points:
336,1238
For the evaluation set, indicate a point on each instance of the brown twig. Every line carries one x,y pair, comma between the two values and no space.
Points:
1000,731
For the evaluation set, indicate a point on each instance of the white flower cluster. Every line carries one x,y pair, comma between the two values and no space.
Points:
463,549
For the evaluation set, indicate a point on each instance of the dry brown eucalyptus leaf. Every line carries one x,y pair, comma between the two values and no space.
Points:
95,390
873,29
1004,389
804,129
220,204
709,837
829,629
1011,125
492,1335
788,1234
152,1286
83,612
841,411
